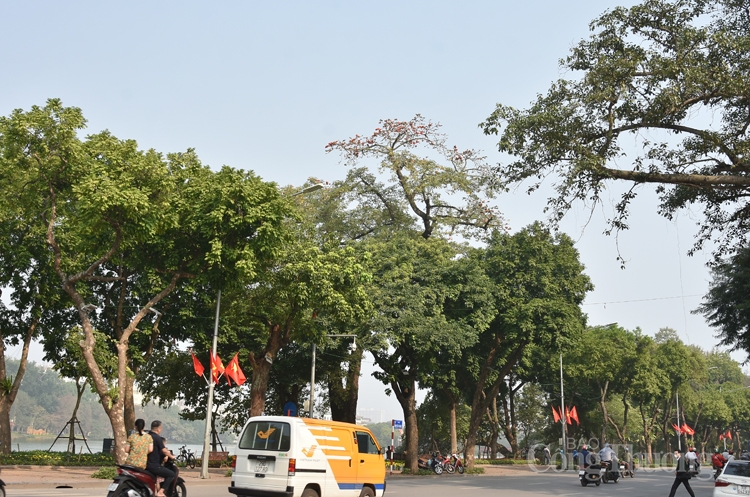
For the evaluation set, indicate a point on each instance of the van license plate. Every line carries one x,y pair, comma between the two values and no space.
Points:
261,467
112,487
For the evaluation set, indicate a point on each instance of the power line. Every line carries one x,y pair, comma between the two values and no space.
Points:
642,300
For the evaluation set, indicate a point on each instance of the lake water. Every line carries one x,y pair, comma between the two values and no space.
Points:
97,445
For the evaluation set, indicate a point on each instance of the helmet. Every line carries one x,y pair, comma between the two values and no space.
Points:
606,445
626,449
585,447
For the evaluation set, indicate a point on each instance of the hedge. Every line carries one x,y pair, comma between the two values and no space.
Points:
44,458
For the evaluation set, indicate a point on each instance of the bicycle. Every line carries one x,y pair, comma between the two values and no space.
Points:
187,457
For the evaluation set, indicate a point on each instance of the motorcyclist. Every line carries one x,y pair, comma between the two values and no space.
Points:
692,460
628,460
606,454
717,461
584,456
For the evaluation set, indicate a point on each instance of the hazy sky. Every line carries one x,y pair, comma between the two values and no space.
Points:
265,85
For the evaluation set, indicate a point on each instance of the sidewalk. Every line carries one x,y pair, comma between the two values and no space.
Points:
80,476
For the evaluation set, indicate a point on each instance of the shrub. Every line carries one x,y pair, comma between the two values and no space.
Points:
105,473
44,458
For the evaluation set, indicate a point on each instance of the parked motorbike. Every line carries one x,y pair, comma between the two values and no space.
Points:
610,471
434,463
136,482
2,487
590,474
453,464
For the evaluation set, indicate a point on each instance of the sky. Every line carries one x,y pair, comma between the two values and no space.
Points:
264,86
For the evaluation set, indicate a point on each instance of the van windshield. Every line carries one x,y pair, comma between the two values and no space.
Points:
265,435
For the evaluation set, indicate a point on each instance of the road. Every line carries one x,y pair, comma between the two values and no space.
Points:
529,484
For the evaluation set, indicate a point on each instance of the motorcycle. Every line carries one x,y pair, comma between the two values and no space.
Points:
136,482
434,463
2,487
627,469
610,471
453,464
590,474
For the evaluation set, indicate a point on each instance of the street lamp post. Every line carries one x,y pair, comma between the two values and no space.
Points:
210,405
312,372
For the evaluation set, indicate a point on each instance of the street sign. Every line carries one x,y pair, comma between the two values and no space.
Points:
398,424
290,409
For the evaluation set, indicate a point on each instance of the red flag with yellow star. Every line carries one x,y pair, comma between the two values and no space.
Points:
234,372
217,368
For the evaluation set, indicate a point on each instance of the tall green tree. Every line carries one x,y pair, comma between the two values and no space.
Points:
431,305
539,285
110,211
671,76
404,178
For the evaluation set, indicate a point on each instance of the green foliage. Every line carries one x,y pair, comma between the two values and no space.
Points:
44,458
105,473
726,307
669,77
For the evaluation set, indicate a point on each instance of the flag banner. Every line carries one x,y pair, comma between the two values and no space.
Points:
234,371
574,415
729,434
676,428
554,413
217,368
687,430
567,416
197,366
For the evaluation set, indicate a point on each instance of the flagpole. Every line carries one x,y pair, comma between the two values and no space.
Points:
679,431
210,405
563,418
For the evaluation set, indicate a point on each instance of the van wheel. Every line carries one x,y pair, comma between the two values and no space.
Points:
310,492
367,492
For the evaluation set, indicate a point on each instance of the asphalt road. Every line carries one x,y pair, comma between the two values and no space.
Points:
656,484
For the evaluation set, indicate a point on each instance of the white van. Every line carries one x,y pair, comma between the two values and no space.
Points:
280,456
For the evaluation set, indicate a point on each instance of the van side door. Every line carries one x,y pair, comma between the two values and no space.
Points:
370,465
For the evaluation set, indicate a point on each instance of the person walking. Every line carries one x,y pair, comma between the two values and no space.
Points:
547,455
682,475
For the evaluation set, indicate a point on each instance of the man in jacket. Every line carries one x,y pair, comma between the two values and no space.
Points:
682,476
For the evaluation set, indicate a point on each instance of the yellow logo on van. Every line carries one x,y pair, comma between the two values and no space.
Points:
309,452
267,433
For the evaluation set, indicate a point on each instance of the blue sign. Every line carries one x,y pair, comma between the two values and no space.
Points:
398,424
290,409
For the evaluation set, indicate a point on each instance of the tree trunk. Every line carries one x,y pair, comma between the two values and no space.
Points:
343,396
405,390
452,410
10,388
261,364
605,416
494,418
508,429
129,404
481,399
